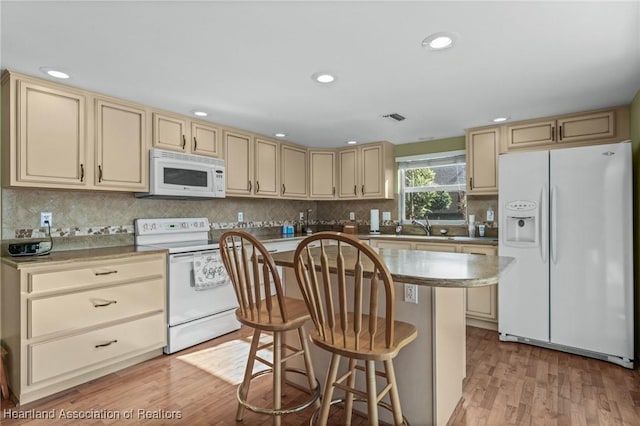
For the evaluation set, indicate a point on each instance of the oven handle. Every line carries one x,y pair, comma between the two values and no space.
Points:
188,257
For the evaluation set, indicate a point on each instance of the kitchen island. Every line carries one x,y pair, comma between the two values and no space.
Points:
430,370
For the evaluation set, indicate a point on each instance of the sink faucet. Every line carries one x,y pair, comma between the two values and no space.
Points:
426,228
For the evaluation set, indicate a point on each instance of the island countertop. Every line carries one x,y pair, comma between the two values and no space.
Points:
427,268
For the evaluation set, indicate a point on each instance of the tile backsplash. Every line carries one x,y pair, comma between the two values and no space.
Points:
107,218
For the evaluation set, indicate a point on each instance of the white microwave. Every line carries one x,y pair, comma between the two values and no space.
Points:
173,175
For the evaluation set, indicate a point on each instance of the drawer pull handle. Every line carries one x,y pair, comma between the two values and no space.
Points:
107,344
105,273
107,303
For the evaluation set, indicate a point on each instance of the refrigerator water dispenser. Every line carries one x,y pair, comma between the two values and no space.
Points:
522,223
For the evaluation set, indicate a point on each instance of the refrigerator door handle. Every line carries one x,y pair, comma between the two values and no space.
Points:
543,224
554,224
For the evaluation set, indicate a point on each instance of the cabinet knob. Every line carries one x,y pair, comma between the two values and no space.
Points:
184,141
553,133
99,173
81,172
195,143
102,305
257,186
283,189
470,183
559,133
250,186
355,189
105,273
362,189
334,190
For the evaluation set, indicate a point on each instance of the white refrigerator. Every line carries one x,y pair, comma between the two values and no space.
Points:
566,217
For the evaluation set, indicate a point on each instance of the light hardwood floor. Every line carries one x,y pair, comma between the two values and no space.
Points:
507,383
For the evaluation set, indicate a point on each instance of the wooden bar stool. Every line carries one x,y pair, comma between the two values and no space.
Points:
342,322
254,275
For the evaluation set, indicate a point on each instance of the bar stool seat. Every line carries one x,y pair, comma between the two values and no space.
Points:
344,327
264,307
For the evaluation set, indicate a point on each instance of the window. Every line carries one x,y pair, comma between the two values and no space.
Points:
433,186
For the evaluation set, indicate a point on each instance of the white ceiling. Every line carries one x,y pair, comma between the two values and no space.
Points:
249,64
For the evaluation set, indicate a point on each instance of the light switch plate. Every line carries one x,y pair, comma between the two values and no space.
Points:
352,216
240,217
386,216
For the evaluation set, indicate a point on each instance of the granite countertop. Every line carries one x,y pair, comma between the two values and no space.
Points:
68,256
434,269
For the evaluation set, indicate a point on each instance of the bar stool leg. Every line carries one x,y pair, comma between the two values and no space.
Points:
393,392
328,390
277,375
244,386
372,394
311,375
351,382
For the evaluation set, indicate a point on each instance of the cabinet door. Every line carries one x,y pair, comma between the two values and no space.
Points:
398,245
482,302
348,172
449,248
531,134
169,132
294,172
51,137
205,140
322,165
121,147
482,160
238,154
267,168
372,185
587,127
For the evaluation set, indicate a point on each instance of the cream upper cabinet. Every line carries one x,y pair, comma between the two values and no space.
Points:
205,140
48,135
293,161
322,165
482,160
482,302
267,168
121,146
56,136
366,171
179,133
238,152
601,126
170,132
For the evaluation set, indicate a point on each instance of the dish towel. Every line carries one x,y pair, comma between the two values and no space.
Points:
208,272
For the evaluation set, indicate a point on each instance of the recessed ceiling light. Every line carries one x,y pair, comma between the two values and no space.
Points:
500,119
200,113
280,135
54,73
352,142
439,41
323,77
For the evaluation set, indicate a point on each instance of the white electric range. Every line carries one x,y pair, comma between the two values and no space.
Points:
197,310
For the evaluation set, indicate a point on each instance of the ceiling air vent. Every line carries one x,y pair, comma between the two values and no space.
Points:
394,116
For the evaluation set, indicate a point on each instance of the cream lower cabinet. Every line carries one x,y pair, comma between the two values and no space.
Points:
65,323
481,302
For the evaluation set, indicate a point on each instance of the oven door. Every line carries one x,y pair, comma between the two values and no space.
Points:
188,304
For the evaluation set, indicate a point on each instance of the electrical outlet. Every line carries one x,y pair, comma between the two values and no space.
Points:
46,217
411,293
240,217
352,216
301,215
386,216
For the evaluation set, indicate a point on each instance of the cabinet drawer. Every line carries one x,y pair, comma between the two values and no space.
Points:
61,356
95,273
93,307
